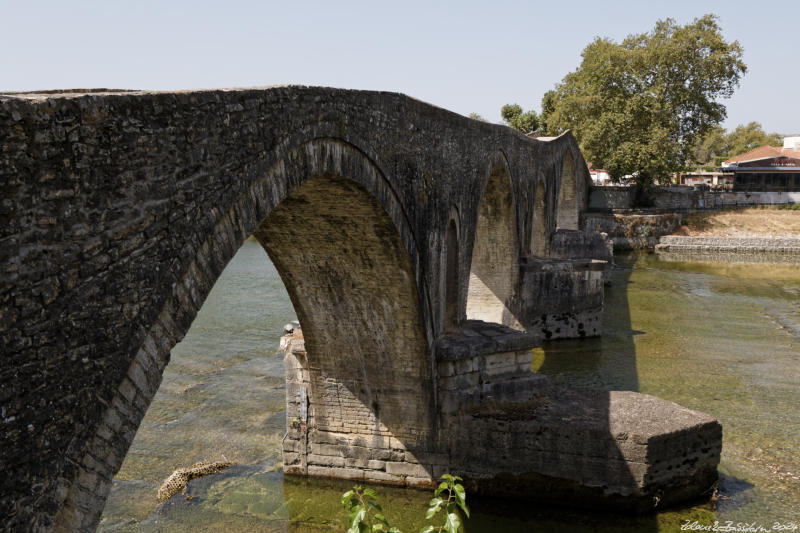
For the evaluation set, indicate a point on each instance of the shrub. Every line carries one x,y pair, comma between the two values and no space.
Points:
366,514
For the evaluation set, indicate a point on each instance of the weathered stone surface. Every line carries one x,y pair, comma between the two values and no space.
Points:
602,448
119,210
622,198
509,431
633,231
475,338
782,245
565,298
571,245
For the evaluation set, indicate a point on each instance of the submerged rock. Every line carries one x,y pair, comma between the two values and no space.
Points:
177,481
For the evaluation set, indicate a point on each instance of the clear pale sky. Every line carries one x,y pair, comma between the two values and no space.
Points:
464,56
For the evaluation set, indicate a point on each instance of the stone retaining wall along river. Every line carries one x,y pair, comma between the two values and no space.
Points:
781,245
633,231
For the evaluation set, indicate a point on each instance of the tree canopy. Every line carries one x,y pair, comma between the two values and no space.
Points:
638,107
716,146
515,117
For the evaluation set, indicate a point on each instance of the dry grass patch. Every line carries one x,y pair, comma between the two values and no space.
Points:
742,222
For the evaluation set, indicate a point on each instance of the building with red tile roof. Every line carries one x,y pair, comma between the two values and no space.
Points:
767,168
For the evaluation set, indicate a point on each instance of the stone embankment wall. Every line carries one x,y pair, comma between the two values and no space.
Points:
722,199
611,197
633,231
774,245
653,231
616,197
683,197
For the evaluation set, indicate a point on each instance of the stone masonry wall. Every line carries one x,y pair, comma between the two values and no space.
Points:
611,197
784,245
118,211
566,298
494,271
684,197
355,446
633,231
511,432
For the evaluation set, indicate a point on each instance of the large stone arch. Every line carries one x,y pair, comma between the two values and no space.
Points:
333,227
494,270
567,208
540,232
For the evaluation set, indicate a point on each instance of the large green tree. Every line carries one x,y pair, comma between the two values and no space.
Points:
637,107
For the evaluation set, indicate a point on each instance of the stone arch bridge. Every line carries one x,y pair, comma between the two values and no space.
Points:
425,255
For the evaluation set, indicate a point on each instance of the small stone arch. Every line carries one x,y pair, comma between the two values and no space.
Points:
332,226
494,269
568,214
540,234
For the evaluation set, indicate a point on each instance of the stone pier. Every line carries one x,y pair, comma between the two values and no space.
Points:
509,432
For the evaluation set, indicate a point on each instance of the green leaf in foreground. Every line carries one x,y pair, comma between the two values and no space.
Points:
367,515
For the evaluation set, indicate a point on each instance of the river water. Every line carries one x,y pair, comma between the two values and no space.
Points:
717,337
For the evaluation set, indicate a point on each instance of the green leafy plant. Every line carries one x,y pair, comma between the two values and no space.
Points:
515,117
450,498
366,514
638,107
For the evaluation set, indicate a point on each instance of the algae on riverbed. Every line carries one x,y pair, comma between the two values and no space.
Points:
717,338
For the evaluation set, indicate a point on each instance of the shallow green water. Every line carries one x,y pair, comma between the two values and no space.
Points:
721,338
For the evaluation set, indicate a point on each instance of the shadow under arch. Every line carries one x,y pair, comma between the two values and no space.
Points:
607,362
494,270
452,281
603,364
540,233
334,229
567,210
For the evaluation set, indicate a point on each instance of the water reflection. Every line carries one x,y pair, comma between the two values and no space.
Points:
607,362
